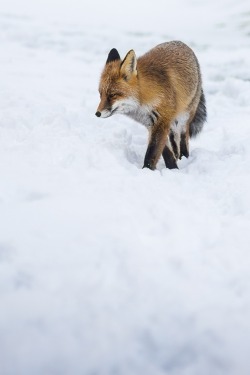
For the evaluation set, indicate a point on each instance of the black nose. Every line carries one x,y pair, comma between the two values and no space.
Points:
98,114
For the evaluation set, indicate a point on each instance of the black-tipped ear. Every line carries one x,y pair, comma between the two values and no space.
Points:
113,55
128,66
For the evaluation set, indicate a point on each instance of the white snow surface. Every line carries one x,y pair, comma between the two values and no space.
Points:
107,268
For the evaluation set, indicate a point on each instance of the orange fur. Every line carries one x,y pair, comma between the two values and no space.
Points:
162,90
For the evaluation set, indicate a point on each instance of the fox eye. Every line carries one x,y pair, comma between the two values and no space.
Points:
114,95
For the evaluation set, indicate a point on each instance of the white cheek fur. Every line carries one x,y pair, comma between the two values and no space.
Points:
125,105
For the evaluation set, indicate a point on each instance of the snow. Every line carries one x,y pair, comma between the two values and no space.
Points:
106,268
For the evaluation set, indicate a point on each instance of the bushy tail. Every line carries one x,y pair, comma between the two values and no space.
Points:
199,117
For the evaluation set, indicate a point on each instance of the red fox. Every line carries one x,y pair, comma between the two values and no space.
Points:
163,91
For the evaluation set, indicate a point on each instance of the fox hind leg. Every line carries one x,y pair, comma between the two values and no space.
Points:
175,143
184,145
180,129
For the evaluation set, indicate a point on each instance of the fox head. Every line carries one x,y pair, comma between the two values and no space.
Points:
118,85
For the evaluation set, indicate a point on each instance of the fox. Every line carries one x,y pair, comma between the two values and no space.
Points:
163,91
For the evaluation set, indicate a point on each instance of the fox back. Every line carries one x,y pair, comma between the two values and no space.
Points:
162,90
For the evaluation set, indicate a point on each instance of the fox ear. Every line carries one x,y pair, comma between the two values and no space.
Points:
128,65
113,55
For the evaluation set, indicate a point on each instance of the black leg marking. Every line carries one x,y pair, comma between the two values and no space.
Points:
155,146
173,144
184,148
169,158
149,157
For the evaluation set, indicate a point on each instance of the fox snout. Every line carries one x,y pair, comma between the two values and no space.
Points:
106,108
103,113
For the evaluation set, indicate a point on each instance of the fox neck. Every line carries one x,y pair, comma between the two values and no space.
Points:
143,114
135,107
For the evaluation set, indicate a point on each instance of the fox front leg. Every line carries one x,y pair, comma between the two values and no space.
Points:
169,158
157,146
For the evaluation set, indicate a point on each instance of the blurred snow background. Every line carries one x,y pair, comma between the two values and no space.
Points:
105,268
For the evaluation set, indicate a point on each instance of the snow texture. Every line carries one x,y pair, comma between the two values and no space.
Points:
107,268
